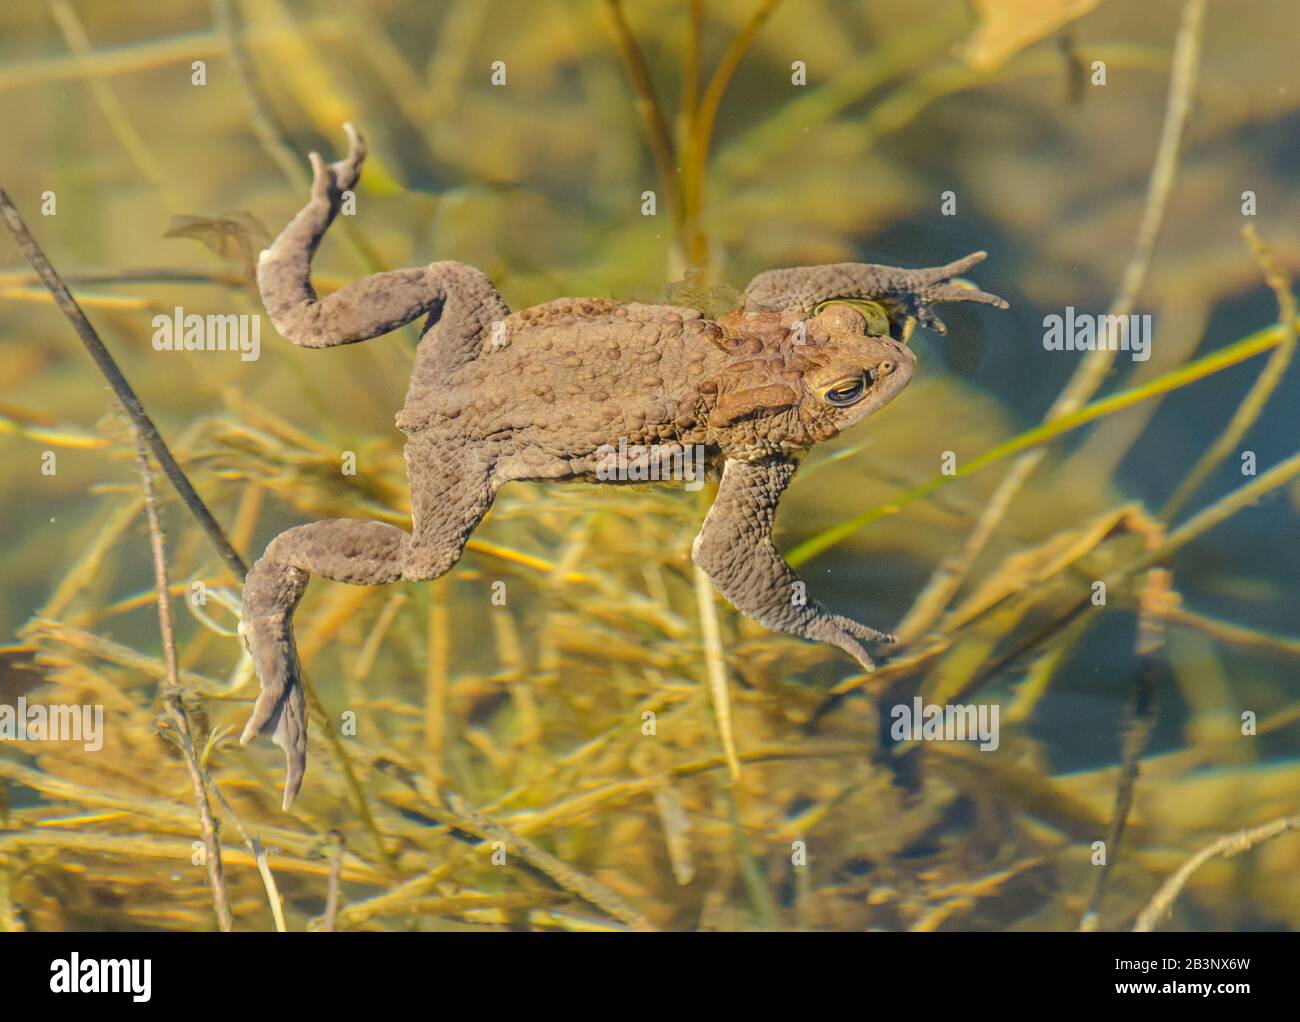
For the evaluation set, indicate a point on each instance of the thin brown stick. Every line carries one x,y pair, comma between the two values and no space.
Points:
947,579
1229,633
132,58
172,693
649,110
330,921
131,275
1134,738
143,424
272,136
589,890
1222,509
1199,524
697,154
691,72
436,677
265,127
74,34
726,70
258,854
715,666
1227,846
350,779
1261,390
396,899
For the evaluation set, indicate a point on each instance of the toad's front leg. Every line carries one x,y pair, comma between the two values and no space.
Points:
902,293
735,550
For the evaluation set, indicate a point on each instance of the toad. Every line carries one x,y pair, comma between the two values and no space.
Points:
545,393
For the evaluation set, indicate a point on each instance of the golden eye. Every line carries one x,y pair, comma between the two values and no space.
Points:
846,392
873,312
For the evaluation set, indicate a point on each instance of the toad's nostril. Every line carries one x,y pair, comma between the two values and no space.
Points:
885,368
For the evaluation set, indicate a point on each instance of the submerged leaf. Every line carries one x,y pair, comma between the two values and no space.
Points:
1008,26
236,237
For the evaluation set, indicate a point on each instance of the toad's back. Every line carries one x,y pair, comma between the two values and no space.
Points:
575,373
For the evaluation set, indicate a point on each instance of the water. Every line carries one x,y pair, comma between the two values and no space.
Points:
533,710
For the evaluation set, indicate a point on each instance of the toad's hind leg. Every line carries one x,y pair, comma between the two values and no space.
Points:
459,299
449,497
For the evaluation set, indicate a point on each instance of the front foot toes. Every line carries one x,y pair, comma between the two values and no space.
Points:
945,284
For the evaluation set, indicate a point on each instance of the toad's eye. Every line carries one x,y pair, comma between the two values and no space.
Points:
846,392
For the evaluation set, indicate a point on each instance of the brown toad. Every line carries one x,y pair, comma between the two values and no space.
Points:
544,394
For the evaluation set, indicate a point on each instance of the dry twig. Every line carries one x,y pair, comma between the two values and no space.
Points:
143,424
1226,846
172,693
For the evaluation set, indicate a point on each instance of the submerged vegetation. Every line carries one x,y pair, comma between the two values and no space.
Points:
569,730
